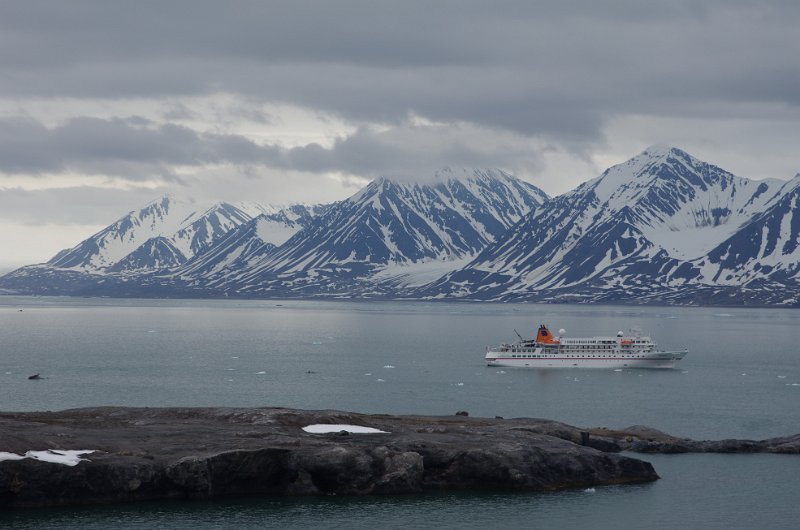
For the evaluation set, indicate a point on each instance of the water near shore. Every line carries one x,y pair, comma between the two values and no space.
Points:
741,379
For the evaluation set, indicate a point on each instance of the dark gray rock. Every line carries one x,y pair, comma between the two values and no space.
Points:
145,454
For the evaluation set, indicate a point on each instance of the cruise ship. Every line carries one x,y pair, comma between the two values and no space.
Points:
547,351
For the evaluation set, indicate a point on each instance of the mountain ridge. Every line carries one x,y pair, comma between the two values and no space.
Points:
661,227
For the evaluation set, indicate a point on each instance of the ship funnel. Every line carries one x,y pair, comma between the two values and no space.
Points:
543,336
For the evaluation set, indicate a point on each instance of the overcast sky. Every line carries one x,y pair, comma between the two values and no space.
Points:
107,105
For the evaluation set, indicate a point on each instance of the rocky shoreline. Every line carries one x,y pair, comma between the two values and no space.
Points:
172,453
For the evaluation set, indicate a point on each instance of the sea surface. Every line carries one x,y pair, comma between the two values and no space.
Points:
741,379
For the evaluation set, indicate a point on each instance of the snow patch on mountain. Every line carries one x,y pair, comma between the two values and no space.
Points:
418,274
275,232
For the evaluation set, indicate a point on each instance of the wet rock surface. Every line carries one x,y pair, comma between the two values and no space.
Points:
167,453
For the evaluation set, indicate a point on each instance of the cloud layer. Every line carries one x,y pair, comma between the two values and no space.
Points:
194,93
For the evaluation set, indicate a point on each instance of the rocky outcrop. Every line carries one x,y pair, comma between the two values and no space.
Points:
642,439
168,453
145,454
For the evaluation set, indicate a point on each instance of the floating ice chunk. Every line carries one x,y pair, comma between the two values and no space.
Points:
381,380
460,384
744,374
779,377
388,366
792,384
589,490
261,373
230,369
368,373
317,342
501,372
10,456
152,331
617,369
324,428
684,371
234,357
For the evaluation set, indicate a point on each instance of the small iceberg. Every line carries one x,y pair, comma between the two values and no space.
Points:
325,428
589,490
388,366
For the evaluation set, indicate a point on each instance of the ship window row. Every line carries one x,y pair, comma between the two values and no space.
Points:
533,356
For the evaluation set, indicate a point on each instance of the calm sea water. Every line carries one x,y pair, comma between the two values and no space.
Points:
741,379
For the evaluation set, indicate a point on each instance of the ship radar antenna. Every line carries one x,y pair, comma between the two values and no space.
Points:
562,332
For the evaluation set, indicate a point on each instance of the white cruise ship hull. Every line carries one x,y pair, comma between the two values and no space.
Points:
660,359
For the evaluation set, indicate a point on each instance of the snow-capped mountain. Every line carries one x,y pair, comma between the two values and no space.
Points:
662,227
765,248
247,244
156,253
175,230
642,222
390,222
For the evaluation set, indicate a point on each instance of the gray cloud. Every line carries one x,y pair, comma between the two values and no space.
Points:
84,205
540,68
138,149
131,148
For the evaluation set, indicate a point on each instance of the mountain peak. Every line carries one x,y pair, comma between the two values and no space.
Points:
662,150
443,175
642,166
658,154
